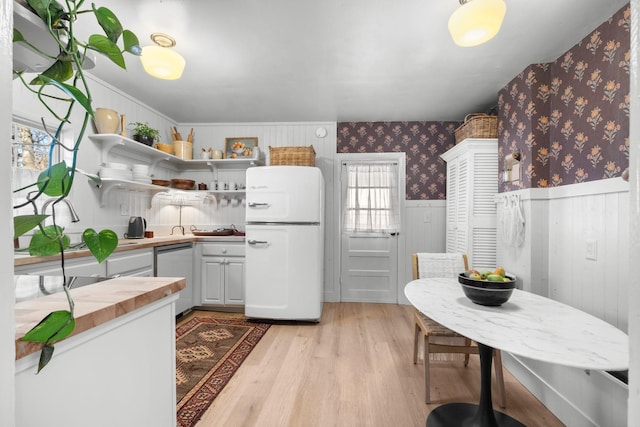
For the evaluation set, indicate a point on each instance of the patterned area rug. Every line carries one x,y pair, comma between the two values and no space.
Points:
208,353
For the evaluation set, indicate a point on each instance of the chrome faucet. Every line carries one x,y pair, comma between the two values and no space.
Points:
74,215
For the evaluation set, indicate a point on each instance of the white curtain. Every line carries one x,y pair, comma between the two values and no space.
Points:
371,201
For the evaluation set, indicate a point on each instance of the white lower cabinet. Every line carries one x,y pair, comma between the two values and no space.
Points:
138,262
220,277
85,267
119,373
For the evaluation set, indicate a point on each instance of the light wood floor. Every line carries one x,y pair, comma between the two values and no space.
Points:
354,368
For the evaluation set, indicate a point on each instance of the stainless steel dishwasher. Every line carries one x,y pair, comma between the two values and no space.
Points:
177,261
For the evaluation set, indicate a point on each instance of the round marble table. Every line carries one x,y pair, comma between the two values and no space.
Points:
527,325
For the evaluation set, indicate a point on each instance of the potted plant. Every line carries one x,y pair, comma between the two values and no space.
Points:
144,133
61,88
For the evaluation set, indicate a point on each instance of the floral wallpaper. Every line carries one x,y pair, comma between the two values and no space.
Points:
570,118
423,142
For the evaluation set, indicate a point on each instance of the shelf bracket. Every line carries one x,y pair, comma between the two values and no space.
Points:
105,190
154,163
106,147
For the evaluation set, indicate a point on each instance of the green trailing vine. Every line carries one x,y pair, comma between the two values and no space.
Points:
60,89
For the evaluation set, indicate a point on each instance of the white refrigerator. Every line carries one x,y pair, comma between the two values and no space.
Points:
284,243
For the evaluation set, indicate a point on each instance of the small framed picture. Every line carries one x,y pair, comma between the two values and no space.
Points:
239,147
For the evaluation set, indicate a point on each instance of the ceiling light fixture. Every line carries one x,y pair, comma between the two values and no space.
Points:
161,61
476,21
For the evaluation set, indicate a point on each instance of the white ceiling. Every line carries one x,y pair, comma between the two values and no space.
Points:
338,60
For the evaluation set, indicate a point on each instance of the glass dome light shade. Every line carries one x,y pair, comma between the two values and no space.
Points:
162,62
476,21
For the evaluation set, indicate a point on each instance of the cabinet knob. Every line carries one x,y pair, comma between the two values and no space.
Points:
224,250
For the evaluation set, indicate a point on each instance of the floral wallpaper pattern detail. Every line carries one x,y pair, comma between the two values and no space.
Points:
570,118
423,142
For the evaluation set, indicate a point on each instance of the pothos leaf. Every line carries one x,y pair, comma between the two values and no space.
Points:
17,36
56,178
109,22
100,244
47,243
25,223
60,71
131,43
72,92
105,46
54,327
45,7
45,356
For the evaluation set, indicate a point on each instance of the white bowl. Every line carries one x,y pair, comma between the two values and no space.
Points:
115,173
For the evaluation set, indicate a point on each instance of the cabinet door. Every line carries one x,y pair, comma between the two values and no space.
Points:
212,274
130,263
234,281
457,205
462,205
452,193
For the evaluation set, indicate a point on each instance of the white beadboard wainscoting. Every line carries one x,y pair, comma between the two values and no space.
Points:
565,229
424,231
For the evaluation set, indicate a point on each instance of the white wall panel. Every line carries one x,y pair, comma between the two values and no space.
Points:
425,232
553,262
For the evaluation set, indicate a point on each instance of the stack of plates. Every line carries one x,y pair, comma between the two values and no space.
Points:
115,171
141,174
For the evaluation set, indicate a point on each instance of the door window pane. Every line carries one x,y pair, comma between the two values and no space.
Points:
371,201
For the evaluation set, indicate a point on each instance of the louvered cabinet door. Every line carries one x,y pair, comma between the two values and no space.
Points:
472,183
483,214
452,195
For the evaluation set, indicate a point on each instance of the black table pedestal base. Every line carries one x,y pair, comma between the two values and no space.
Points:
467,415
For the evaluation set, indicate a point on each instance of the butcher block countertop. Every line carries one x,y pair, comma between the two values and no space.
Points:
127,245
94,304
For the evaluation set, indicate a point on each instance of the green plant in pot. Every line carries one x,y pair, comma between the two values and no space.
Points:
144,133
60,89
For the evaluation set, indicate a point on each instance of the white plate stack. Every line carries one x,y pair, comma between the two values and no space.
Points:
115,171
141,173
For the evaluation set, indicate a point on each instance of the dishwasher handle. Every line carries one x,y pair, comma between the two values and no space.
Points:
172,248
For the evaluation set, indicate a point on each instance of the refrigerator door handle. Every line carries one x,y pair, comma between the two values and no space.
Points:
258,205
257,242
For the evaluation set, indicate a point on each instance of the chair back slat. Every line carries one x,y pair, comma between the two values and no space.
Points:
438,264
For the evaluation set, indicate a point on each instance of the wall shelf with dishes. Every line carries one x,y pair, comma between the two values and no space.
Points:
135,150
115,142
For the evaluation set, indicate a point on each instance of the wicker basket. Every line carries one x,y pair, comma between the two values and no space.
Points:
477,125
292,156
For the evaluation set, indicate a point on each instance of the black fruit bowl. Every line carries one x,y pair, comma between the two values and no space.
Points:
485,292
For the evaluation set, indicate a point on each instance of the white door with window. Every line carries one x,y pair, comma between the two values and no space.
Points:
372,195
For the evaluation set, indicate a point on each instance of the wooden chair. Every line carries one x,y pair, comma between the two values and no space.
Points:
445,265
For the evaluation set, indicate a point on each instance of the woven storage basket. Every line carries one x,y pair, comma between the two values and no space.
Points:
292,156
477,125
